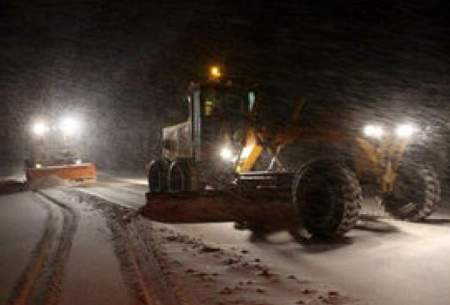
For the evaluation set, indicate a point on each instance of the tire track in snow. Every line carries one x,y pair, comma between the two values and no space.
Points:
41,281
140,266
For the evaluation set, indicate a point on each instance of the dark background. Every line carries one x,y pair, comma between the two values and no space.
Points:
122,66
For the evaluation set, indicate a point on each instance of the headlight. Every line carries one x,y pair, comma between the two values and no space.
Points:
405,130
40,128
69,126
227,154
373,131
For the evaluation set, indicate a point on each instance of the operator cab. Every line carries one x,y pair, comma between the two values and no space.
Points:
216,113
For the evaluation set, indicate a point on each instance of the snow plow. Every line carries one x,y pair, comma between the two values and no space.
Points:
54,151
83,172
218,154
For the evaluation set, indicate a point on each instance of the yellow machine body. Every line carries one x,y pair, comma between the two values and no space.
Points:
377,159
248,123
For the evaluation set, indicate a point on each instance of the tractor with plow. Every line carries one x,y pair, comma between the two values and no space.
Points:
54,151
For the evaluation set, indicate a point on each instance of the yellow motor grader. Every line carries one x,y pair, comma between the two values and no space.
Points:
230,142
391,160
54,151
216,151
387,157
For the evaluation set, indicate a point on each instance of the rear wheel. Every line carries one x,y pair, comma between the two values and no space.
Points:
180,177
157,176
327,198
416,194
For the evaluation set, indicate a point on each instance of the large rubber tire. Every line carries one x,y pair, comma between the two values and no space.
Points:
157,176
417,193
327,198
179,178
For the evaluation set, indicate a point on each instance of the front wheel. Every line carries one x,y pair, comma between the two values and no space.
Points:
327,198
416,194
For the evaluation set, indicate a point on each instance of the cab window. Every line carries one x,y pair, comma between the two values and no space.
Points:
208,107
223,103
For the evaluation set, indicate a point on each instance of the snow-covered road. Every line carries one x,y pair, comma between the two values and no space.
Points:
66,245
383,261
86,245
20,220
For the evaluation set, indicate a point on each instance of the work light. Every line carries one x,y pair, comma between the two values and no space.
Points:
405,130
69,126
40,128
373,131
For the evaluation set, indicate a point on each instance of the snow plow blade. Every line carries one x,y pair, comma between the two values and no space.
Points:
217,206
85,173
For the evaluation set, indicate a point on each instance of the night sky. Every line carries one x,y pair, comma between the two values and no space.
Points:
123,66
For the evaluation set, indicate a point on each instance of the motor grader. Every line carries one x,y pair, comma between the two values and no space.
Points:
54,151
391,160
219,149
390,156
